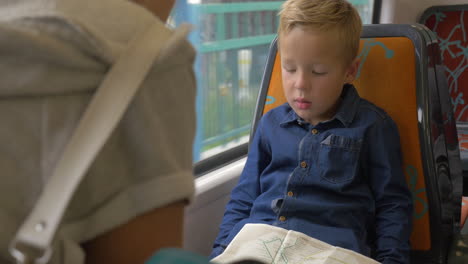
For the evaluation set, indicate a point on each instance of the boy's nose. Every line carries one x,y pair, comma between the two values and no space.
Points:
301,81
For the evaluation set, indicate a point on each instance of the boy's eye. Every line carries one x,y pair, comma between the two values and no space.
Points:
319,73
289,70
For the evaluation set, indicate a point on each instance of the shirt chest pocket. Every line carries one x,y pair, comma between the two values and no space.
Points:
338,158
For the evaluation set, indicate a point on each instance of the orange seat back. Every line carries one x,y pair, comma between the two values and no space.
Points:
398,97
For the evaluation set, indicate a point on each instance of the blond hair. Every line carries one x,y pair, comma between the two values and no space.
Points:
324,15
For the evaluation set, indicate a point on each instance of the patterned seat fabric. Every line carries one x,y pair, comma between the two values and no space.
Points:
450,24
450,27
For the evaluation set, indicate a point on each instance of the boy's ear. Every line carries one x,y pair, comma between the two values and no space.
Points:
352,70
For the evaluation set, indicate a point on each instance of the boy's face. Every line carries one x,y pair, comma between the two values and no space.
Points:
314,71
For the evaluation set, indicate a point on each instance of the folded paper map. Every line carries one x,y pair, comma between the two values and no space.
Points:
274,245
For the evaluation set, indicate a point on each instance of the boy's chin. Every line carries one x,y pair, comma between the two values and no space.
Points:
310,117
305,115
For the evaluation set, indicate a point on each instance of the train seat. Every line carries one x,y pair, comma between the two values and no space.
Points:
401,72
448,23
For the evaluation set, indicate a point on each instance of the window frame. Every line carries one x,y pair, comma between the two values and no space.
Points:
219,160
376,11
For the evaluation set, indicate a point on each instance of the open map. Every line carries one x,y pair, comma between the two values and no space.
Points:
274,245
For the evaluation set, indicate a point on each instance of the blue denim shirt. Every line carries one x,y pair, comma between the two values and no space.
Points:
340,181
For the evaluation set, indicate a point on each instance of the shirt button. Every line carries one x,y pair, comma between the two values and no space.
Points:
303,164
290,194
282,218
314,131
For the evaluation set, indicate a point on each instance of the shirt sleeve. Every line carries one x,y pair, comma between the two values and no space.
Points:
393,202
246,191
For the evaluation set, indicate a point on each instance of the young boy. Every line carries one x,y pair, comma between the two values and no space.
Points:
327,163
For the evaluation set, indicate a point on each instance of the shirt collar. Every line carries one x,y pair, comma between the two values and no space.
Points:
291,117
349,105
346,110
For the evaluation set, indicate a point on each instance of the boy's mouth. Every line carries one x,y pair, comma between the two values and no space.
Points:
302,104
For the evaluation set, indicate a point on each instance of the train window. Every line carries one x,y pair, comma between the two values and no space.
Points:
232,38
